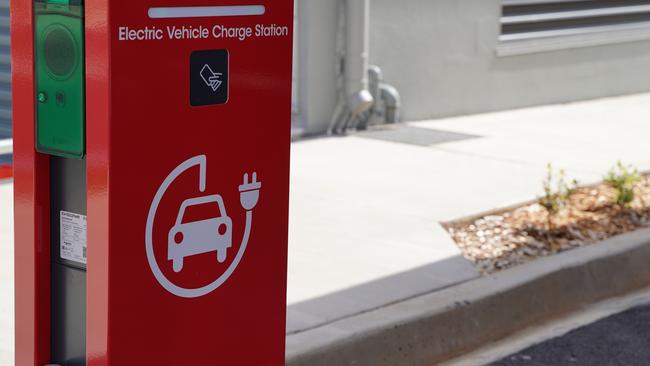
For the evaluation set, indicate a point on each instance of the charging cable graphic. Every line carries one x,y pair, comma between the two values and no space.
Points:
249,193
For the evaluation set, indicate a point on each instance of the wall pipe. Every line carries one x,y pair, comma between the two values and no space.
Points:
359,99
392,102
387,98
353,43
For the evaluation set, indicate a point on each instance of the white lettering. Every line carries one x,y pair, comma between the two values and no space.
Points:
241,33
272,30
143,34
187,32
217,31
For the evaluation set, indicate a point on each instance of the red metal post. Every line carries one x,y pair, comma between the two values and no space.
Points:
31,200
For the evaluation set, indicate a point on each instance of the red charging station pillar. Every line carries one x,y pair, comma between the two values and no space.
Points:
187,134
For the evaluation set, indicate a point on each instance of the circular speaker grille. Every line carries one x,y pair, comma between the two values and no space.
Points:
60,51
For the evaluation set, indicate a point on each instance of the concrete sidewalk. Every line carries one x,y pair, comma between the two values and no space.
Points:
365,209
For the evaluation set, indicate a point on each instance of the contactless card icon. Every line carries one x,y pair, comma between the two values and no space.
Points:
209,77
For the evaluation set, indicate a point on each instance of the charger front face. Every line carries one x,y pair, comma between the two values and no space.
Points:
197,219
59,69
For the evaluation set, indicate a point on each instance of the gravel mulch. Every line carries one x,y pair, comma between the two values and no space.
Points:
519,235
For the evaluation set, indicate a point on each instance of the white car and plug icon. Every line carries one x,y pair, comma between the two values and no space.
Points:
189,236
213,234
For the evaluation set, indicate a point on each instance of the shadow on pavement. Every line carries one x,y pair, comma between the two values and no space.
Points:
342,304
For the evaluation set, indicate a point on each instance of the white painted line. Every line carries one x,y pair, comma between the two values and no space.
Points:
6,146
206,11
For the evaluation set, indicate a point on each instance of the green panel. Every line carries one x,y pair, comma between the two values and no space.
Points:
60,94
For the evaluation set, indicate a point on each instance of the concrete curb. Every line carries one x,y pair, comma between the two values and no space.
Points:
444,324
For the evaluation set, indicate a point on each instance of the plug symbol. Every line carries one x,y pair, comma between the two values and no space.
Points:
211,78
249,192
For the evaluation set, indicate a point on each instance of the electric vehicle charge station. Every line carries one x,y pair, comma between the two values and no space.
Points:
151,143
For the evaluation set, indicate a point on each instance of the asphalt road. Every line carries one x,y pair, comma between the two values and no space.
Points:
622,339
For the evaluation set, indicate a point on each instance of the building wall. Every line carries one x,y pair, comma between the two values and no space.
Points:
317,60
441,56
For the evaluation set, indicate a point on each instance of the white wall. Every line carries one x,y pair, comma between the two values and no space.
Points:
441,56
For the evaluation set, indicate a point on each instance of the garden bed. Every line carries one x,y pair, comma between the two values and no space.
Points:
518,235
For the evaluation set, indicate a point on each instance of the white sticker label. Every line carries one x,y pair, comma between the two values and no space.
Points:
73,237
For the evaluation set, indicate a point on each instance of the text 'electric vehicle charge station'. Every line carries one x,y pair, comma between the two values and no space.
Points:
151,143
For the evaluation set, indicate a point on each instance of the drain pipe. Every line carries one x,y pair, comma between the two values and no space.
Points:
392,102
387,98
355,97
375,77
356,58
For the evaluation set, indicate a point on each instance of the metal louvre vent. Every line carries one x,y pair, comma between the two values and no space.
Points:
5,71
534,19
